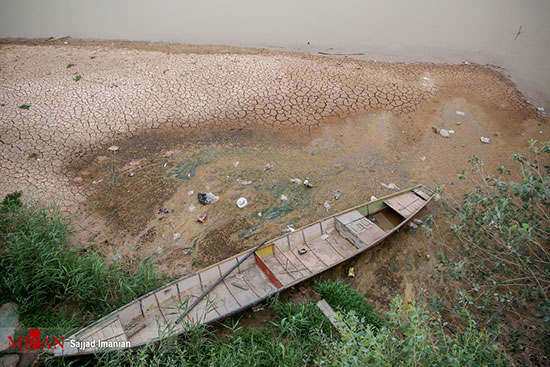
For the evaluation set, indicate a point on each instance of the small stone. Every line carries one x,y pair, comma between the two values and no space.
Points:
113,148
284,198
444,133
422,159
131,174
192,208
485,140
540,109
451,132
176,236
435,130
428,257
191,192
418,221
296,181
460,113
373,198
413,225
259,214
459,122
326,205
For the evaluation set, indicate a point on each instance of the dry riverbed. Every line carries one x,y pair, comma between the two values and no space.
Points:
242,123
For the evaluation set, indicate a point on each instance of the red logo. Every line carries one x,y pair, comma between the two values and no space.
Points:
35,341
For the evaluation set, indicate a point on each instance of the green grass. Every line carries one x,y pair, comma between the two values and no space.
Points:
25,106
70,66
53,284
33,155
341,297
77,77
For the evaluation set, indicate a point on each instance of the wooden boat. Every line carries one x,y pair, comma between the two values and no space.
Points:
243,280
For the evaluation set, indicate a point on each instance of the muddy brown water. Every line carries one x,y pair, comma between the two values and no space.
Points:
425,30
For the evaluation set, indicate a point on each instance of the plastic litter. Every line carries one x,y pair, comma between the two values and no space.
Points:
243,182
413,225
444,133
288,229
485,140
259,214
267,167
326,205
325,236
191,192
422,159
176,236
201,218
540,109
284,198
242,202
95,182
460,113
351,272
236,163
336,194
302,251
391,186
451,132
372,198
113,148
192,208
207,198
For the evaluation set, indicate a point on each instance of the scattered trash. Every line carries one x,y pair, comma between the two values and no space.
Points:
418,221
176,236
207,198
191,192
428,256
336,194
485,140
302,251
113,148
131,174
372,198
236,163
192,208
444,133
259,214
95,182
326,205
296,181
284,198
422,159
201,218
540,109
413,225
267,167
117,257
308,184
165,164
243,182
460,113
242,202
451,132
288,229
351,272
391,186
256,309
163,211
325,236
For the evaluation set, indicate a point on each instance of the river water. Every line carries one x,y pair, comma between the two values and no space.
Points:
482,31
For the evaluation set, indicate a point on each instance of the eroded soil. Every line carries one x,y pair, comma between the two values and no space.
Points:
182,120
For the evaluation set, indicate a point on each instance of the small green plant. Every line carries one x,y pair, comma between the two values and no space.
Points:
70,66
412,337
25,106
33,155
342,297
92,57
77,77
